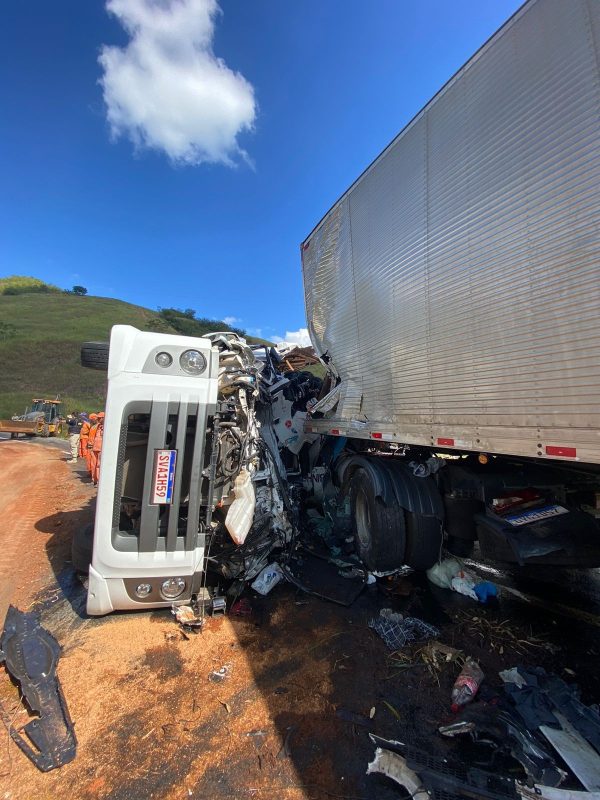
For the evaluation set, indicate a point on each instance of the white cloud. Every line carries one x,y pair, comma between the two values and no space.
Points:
299,337
231,320
166,90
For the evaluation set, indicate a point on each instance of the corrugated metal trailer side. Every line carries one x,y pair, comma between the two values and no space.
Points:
455,285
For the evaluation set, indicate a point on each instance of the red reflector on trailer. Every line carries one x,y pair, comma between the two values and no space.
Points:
566,452
377,435
334,432
447,442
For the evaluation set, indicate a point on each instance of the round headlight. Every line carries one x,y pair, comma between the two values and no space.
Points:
172,588
143,589
192,361
163,359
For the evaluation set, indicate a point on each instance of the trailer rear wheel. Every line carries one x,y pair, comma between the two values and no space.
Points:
424,537
379,530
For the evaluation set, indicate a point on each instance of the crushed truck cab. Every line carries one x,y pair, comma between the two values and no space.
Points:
191,469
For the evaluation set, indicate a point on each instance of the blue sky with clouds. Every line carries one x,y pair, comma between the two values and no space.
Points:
176,152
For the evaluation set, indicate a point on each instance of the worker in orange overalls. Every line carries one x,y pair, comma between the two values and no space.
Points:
97,448
83,436
90,441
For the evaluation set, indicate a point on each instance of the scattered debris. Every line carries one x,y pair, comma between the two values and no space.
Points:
397,632
30,654
500,636
321,577
285,750
579,756
467,684
187,616
267,578
487,723
538,792
393,766
434,655
463,584
221,674
441,574
241,608
218,606
538,696
449,574
434,777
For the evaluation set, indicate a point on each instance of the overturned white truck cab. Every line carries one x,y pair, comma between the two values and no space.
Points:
453,293
190,469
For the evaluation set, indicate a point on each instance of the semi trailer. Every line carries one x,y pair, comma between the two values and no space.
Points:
452,295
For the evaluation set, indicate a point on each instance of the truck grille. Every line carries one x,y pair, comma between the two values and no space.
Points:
138,524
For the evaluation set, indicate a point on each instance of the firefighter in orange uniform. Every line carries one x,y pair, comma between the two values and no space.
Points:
90,441
97,448
83,437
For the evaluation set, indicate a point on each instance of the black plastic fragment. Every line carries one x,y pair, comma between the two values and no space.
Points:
445,780
30,654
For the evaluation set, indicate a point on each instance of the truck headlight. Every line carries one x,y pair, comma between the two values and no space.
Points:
192,362
163,359
143,589
172,588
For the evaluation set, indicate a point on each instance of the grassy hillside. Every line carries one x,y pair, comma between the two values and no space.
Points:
40,339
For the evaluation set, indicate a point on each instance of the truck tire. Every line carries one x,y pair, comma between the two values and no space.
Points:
81,549
424,538
379,530
94,355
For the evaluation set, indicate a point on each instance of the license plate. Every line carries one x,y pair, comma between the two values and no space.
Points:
164,476
535,515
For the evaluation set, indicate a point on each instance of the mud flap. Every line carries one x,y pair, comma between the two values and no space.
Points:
30,654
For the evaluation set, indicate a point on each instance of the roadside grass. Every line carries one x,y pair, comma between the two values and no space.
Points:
41,340
41,356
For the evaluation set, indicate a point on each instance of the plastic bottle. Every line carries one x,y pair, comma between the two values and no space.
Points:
467,684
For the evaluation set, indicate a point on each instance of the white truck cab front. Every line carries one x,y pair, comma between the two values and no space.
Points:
148,538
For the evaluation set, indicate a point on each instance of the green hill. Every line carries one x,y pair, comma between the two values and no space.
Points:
40,339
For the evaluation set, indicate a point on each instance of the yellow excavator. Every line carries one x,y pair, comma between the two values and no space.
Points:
42,418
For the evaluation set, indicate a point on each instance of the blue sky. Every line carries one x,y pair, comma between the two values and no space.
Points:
164,177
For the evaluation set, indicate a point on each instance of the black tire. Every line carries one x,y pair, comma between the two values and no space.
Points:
46,430
81,549
379,530
94,355
463,548
424,538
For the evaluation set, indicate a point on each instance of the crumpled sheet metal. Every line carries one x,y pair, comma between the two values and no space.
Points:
31,654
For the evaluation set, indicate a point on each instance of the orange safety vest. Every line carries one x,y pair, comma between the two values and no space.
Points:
83,437
97,440
92,436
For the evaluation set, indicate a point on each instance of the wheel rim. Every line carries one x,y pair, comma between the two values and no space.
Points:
363,519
